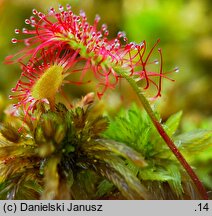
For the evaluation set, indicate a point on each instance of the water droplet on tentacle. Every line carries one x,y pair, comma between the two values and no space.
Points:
121,34
68,7
156,61
104,27
17,31
27,21
41,15
99,35
176,70
51,10
24,30
97,18
34,11
106,33
14,40
61,8
125,39
32,18
82,13
26,42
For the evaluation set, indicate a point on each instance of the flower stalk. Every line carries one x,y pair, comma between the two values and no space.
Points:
164,135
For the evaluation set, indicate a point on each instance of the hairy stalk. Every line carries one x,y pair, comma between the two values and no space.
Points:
164,135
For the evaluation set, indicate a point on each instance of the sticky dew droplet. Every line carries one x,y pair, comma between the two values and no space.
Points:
121,34
32,18
41,15
82,13
27,21
24,30
14,40
106,33
61,8
17,31
156,61
104,27
125,39
97,18
68,7
176,70
51,11
99,35
77,18
34,11
26,42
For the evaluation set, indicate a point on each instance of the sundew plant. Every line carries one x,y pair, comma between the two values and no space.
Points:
50,151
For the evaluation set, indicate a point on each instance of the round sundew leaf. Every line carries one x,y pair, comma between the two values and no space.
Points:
49,83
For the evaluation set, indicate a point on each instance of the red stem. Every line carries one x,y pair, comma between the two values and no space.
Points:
164,135
181,159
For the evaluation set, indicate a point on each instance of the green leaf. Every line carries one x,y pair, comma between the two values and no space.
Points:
204,156
5,188
202,162
175,182
121,176
24,185
117,148
134,128
154,174
104,188
51,179
172,123
9,132
194,141
84,186
29,190
97,126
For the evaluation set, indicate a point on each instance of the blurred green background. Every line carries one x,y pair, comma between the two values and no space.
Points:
185,30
